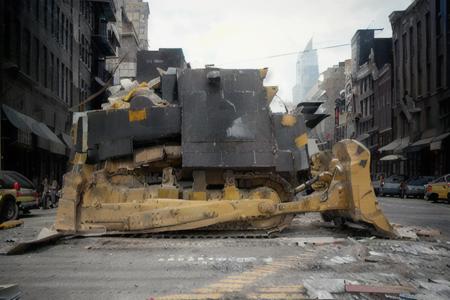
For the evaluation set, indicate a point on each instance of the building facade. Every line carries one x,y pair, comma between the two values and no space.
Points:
138,13
328,90
371,92
344,107
132,26
421,104
307,73
50,53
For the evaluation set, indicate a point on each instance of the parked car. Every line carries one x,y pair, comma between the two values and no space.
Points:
415,187
17,193
376,182
392,185
439,189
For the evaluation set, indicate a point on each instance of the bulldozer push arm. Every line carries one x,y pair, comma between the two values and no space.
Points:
90,204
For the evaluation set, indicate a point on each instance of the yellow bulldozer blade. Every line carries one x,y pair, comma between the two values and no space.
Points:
91,202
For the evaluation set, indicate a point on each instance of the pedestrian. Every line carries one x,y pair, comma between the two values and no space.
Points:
403,189
381,184
45,188
53,191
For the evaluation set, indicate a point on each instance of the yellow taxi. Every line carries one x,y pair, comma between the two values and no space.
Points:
438,189
17,193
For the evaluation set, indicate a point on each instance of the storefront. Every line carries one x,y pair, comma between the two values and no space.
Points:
31,147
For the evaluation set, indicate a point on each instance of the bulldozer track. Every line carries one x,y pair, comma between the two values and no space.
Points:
203,234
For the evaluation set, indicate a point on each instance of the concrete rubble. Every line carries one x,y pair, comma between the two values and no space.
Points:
122,93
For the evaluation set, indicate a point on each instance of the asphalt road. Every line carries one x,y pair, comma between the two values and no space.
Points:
417,212
278,268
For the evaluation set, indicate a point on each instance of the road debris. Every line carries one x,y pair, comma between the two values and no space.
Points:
378,289
10,224
10,292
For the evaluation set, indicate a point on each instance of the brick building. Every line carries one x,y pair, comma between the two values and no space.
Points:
52,53
421,104
371,92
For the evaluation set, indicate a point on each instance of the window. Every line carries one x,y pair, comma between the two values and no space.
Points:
419,57
444,113
411,60
438,17
57,79
57,24
371,107
36,9
365,107
397,70
17,48
35,60
61,29
67,34
70,88
63,82
404,62
26,50
428,117
45,66
67,85
52,71
71,40
7,35
52,17
45,14
439,66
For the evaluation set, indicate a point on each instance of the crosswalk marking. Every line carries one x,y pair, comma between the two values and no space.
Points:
238,282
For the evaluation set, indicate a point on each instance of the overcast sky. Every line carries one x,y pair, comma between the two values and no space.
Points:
238,33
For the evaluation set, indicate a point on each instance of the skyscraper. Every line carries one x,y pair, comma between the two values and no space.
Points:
307,72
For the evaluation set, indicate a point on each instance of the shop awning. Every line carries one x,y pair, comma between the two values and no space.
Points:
403,144
422,142
419,145
363,137
391,146
29,124
436,143
392,157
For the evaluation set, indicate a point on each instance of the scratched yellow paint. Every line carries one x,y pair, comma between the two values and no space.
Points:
301,140
288,120
137,115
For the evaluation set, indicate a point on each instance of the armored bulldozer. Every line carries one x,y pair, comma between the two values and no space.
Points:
200,149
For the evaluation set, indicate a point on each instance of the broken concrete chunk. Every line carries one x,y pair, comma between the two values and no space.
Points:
127,84
114,89
428,232
330,285
317,293
10,291
406,233
338,260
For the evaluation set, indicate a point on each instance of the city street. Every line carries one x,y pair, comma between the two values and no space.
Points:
224,150
417,212
308,256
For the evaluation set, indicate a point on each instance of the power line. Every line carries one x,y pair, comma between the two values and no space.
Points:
288,53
